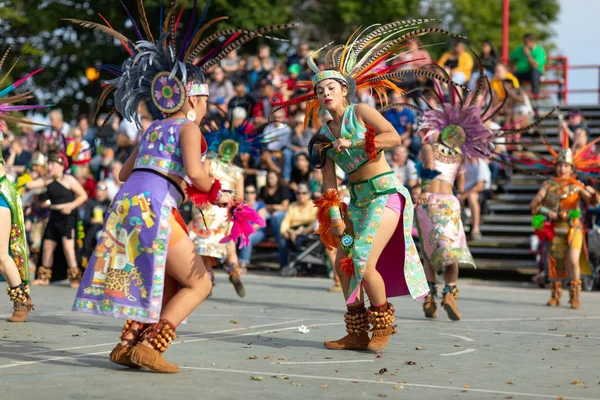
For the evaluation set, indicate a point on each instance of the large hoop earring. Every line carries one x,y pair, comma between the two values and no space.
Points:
191,115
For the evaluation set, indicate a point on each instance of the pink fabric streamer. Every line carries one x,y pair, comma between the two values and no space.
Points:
243,218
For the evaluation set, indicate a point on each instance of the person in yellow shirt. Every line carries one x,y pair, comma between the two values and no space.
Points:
299,221
501,74
459,62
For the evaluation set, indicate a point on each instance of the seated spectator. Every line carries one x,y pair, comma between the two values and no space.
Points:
250,196
276,197
401,118
316,183
501,75
78,149
278,153
414,58
52,138
299,222
84,176
89,132
241,99
300,56
112,182
93,218
255,76
477,187
574,121
581,139
529,60
301,137
29,137
230,63
277,76
265,58
459,62
17,161
100,164
488,59
300,172
403,167
290,83
220,86
263,108
124,147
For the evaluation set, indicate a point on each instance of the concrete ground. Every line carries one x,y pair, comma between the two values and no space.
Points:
508,346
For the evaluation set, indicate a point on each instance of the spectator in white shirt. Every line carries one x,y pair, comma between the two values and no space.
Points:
478,180
403,167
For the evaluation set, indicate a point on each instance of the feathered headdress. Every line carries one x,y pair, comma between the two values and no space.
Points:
8,99
460,122
226,139
161,68
585,161
362,63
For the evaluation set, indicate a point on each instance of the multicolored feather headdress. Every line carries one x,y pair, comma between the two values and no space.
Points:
461,122
362,63
585,161
163,69
8,99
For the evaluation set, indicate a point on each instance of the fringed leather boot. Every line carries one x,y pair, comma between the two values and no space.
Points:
74,276
357,326
234,277
382,320
449,297
130,333
556,293
574,292
159,336
429,306
21,296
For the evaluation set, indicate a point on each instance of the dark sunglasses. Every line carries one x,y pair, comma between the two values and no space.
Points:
250,192
303,193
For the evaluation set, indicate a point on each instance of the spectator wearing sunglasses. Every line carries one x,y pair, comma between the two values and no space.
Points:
298,223
250,198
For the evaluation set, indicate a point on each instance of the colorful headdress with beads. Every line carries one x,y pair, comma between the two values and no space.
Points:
362,63
163,69
460,121
8,99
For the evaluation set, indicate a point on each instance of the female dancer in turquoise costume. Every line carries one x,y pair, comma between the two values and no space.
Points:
376,251
14,252
144,267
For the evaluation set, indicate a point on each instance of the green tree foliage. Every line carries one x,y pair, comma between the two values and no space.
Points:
35,28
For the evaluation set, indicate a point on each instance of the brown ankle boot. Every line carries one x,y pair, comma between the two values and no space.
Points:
450,295
21,297
357,325
574,292
130,333
154,341
556,293
429,306
381,318
43,276
236,280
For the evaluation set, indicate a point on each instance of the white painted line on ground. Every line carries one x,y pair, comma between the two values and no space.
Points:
417,385
22,363
180,337
459,352
319,362
576,317
582,336
457,336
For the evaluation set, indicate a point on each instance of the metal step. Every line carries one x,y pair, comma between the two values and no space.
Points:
509,229
504,219
500,241
517,208
513,197
527,266
516,187
491,251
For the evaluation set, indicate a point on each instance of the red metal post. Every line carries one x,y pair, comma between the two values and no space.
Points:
505,23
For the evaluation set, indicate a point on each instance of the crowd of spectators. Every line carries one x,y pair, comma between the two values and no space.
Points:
280,183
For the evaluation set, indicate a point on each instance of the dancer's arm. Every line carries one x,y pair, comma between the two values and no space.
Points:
190,151
38,183
386,137
590,196
127,168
